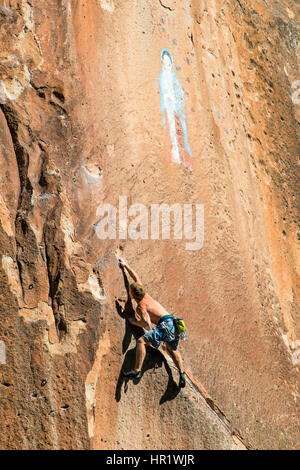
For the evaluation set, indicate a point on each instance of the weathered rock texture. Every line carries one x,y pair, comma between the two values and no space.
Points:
81,125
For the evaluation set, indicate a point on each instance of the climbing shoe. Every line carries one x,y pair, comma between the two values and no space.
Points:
181,380
133,374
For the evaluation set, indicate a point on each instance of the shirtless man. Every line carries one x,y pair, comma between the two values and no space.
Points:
150,311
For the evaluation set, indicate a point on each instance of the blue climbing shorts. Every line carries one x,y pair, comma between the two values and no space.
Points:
165,331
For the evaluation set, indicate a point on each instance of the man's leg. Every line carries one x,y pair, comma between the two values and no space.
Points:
153,338
139,359
177,359
140,353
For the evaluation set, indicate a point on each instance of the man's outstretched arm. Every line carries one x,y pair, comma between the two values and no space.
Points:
130,271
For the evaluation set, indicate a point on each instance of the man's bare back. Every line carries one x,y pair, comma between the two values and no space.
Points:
154,309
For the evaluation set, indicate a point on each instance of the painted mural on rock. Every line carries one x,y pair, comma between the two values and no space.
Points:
172,105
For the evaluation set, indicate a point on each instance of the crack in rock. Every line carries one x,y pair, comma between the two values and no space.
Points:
165,6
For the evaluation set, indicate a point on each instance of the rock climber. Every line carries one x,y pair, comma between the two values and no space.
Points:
150,311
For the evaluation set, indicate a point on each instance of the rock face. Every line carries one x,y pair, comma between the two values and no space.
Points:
93,112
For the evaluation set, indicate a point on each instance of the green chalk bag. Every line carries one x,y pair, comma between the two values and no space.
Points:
180,327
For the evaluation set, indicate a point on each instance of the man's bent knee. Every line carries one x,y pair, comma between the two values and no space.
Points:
169,349
142,340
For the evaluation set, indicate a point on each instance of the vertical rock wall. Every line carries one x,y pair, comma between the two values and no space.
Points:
82,90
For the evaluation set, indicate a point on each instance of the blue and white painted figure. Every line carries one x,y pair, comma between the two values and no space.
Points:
172,101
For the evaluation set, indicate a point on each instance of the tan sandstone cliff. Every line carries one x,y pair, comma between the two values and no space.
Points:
80,126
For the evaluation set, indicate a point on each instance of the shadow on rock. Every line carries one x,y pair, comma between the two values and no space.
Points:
172,389
154,360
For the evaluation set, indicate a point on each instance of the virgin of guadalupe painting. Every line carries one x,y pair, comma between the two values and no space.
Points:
172,104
